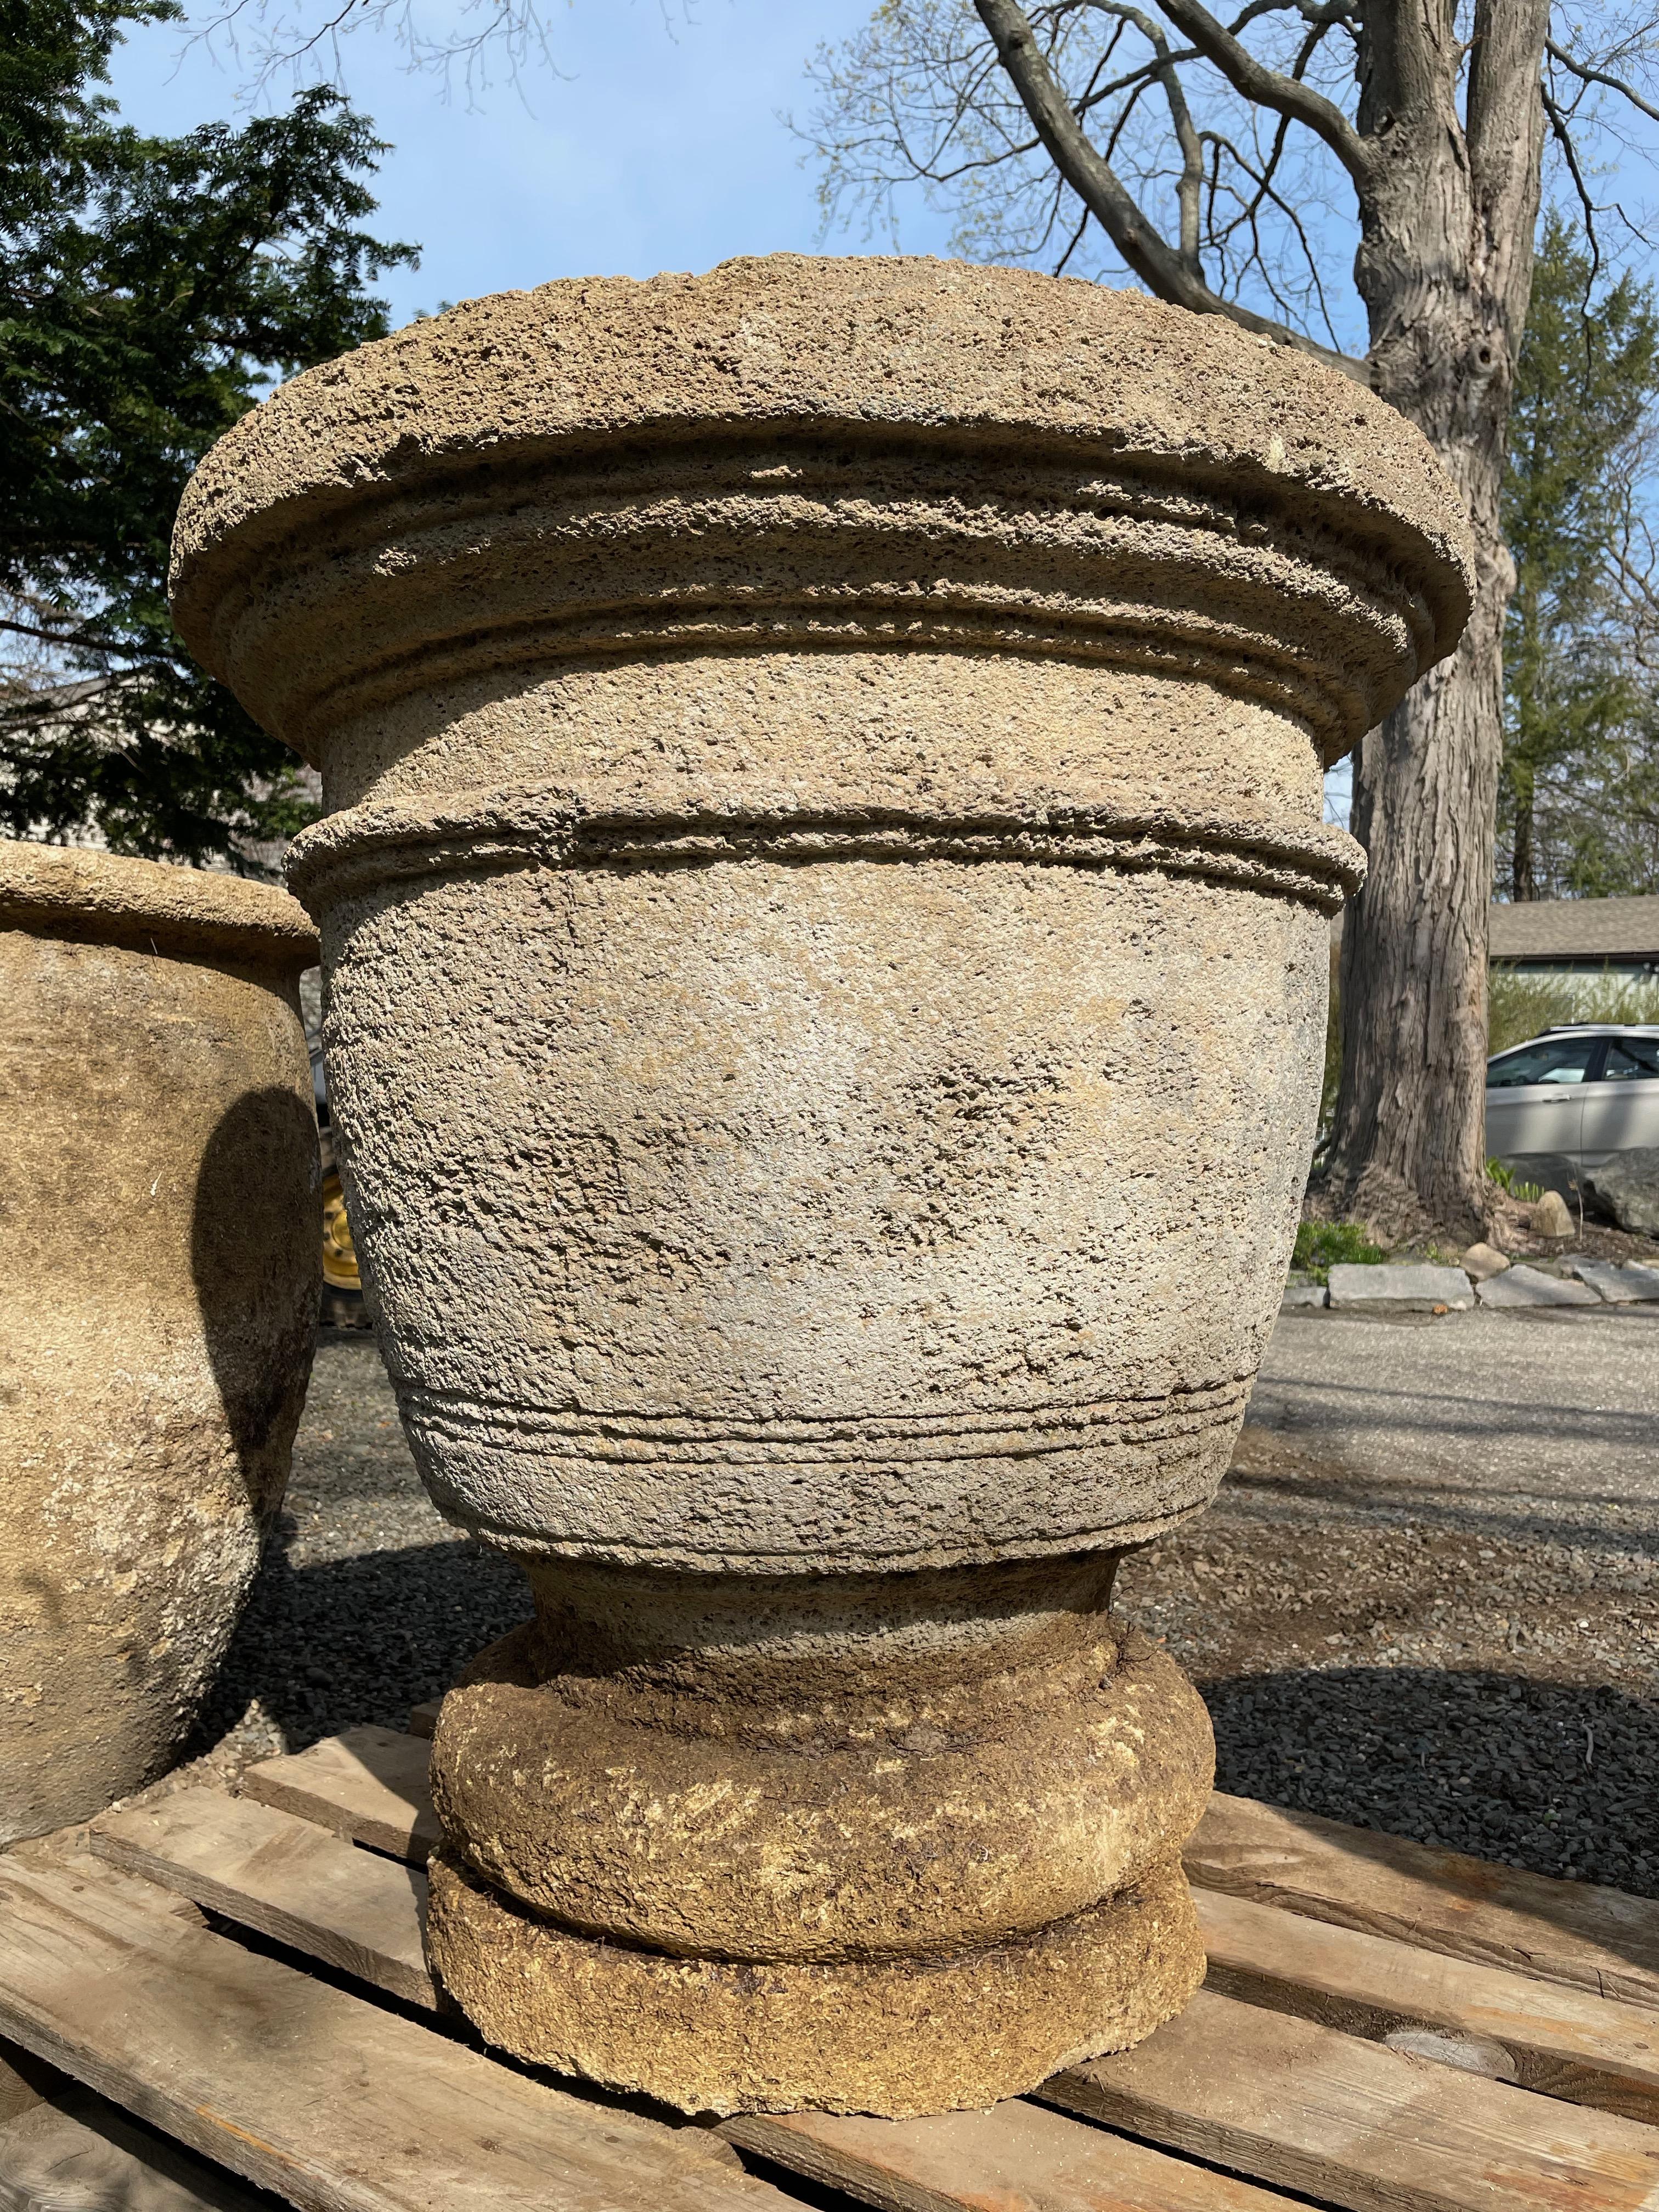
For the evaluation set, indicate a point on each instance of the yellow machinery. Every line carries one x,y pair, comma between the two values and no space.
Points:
339,1253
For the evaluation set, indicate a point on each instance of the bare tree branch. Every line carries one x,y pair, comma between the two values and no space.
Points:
1192,153
1267,88
1263,178
1097,186
1586,73
1563,137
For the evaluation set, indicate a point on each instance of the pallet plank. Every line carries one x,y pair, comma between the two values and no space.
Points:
292,1880
335,2104
1589,1938
1487,2020
78,2152
306,1887
1303,2107
367,1784
1015,2157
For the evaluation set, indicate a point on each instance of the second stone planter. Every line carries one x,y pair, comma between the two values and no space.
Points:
825,912
158,1306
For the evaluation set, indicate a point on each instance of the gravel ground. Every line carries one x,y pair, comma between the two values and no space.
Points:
1425,1601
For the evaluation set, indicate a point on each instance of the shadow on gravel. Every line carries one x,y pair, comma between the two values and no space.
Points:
1541,1774
359,1640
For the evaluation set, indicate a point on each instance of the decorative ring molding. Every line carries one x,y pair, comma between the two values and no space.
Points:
564,825
728,543
1111,1475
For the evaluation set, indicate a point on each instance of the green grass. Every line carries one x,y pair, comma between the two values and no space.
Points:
1322,1245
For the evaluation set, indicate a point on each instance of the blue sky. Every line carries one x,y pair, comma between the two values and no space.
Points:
661,147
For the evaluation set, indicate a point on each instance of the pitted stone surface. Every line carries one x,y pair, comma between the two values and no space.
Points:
688,1826
851,1215
825,910
896,2037
160,1184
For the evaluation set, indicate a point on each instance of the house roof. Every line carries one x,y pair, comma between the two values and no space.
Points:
1575,929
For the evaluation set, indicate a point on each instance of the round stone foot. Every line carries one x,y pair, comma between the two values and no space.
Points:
895,2036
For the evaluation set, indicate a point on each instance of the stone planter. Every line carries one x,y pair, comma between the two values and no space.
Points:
158,1189
825,908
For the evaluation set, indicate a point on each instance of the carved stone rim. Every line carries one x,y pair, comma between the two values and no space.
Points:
897,347
684,546
85,896
565,825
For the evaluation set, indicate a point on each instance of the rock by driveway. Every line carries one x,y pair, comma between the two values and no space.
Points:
1420,1289
1531,1286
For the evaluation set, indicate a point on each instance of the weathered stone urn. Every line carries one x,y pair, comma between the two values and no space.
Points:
159,1197
825,910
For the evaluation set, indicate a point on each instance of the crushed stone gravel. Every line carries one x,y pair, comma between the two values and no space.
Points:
1450,1660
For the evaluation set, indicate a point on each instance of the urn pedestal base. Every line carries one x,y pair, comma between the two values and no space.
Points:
892,1843
895,2036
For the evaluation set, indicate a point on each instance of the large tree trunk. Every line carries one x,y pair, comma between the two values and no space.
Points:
1444,267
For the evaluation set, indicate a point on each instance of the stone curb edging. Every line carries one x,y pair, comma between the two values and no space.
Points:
1368,1288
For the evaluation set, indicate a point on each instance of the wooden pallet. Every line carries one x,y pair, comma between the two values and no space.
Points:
1384,2029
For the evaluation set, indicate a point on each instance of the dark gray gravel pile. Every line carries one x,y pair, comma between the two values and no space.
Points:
1382,1637
1556,1776
367,1602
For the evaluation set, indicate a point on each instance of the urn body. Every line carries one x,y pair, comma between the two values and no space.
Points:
825,911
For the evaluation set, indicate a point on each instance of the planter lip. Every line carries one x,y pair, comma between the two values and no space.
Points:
85,895
869,346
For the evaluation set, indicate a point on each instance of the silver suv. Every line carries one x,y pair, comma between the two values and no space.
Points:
1578,1093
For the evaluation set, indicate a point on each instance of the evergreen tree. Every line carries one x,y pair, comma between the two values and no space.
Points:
148,288
1574,703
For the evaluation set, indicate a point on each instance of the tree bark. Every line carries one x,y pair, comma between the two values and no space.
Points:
1444,268
1522,887
1448,205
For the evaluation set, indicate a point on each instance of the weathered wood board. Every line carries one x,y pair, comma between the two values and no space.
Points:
367,1784
1015,2157
334,2103
1348,2123
76,2152
298,1883
1563,1931
1349,2067
1486,2019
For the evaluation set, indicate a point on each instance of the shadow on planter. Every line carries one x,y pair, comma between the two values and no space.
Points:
255,1237
1554,1776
